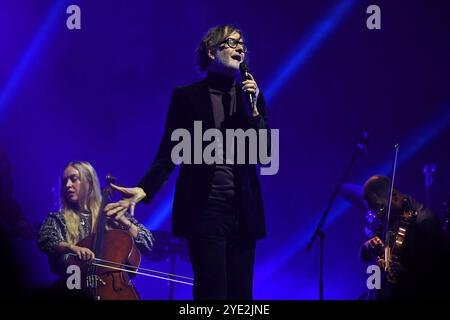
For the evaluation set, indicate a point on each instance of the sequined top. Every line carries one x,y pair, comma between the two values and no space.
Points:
53,231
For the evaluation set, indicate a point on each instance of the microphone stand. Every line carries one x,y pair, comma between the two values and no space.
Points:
428,170
172,261
361,145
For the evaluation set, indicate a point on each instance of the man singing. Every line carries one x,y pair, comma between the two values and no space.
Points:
218,208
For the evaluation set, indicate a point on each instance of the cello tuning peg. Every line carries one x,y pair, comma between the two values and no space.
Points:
110,178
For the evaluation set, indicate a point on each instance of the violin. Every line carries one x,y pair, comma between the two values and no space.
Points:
408,216
393,251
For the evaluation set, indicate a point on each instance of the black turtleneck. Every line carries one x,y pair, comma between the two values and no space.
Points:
222,92
219,81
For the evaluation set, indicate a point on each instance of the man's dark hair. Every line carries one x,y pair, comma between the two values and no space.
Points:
376,187
210,42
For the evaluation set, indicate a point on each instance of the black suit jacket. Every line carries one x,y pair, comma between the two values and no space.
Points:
188,104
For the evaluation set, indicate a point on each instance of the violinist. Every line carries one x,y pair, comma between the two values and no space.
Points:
78,216
416,270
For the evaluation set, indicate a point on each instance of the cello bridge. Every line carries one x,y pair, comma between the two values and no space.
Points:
94,281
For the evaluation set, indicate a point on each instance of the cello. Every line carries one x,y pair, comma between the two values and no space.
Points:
106,281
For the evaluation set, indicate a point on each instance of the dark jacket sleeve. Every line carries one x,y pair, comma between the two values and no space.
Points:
162,165
430,246
260,122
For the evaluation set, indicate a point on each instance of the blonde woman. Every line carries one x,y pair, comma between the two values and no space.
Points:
77,218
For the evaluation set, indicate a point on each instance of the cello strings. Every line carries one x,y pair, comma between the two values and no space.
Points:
144,269
139,268
141,273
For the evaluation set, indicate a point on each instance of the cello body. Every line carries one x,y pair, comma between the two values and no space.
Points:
101,278
102,282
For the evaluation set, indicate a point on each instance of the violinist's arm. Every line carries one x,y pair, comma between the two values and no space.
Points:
371,248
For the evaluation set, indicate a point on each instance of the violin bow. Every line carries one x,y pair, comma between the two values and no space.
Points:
388,213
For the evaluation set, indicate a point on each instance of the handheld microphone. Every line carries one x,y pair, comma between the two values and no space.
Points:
244,69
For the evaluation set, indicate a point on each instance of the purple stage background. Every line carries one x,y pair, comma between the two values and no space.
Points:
101,94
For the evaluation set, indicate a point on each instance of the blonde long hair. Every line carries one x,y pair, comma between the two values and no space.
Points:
89,199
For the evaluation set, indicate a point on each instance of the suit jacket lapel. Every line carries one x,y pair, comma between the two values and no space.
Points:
203,106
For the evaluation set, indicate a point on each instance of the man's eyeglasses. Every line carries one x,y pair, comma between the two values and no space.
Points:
233,43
